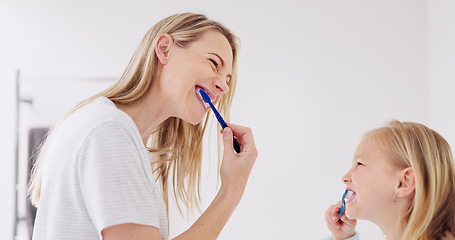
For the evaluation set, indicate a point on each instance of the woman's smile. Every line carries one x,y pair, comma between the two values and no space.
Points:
204,104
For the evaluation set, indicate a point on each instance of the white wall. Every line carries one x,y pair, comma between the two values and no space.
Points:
7,124
441,67
314,76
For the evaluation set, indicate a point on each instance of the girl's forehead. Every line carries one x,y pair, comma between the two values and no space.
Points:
365,146
368,149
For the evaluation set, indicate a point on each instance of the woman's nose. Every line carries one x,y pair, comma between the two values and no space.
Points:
221,86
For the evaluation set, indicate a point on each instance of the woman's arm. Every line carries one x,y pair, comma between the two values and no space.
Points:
212,221
131,231
208,225
234,173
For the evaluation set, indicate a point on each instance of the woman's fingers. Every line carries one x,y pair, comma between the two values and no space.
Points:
236,168
228,142
244,136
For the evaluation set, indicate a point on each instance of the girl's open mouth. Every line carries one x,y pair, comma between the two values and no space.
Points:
351,196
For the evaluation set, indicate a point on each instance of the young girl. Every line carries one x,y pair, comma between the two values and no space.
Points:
94,177
403,179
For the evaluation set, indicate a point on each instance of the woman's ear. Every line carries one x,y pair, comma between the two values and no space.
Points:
163,45
406,184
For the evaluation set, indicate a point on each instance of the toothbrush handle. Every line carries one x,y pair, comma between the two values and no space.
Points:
220,120
224,125
236,146
343,205
340,212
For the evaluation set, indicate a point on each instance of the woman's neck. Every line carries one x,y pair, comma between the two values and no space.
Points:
147,113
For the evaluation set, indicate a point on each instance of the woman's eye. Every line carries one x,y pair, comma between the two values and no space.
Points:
359,164
214,63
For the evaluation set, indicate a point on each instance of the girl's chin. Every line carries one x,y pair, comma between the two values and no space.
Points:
351,213
354,213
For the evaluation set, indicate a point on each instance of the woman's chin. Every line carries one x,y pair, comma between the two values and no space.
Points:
193,117
195,123
194,120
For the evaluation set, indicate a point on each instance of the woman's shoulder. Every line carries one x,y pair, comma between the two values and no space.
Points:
99,112
99,116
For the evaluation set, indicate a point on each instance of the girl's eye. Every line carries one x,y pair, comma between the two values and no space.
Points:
214,63
359,164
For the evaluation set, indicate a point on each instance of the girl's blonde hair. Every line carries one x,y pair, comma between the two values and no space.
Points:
431,213
176,146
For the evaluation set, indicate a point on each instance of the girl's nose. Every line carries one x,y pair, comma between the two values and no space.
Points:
346,178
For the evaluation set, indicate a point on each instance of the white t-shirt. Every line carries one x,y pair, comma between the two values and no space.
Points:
97,174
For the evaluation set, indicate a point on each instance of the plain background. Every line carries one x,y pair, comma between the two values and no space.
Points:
314,76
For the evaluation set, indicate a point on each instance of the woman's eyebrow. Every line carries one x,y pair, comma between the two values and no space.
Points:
222,63
221,59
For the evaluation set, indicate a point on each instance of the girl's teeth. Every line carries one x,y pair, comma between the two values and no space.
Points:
351,195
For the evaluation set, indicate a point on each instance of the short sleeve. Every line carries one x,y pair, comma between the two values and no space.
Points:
113,181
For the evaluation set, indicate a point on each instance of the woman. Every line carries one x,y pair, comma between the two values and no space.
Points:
402,179
93,178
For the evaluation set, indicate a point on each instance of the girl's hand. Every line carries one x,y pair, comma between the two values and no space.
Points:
343,229
236,168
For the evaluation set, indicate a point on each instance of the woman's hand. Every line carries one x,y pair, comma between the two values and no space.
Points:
236,168
343,229
234,173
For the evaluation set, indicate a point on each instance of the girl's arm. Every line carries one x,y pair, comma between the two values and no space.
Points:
343,229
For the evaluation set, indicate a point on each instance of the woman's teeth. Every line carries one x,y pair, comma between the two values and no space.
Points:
206,105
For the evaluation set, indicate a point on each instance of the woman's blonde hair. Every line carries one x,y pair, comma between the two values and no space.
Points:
176,146
431,213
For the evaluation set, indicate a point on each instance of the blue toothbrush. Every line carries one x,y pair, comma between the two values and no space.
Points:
343,205
220,119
